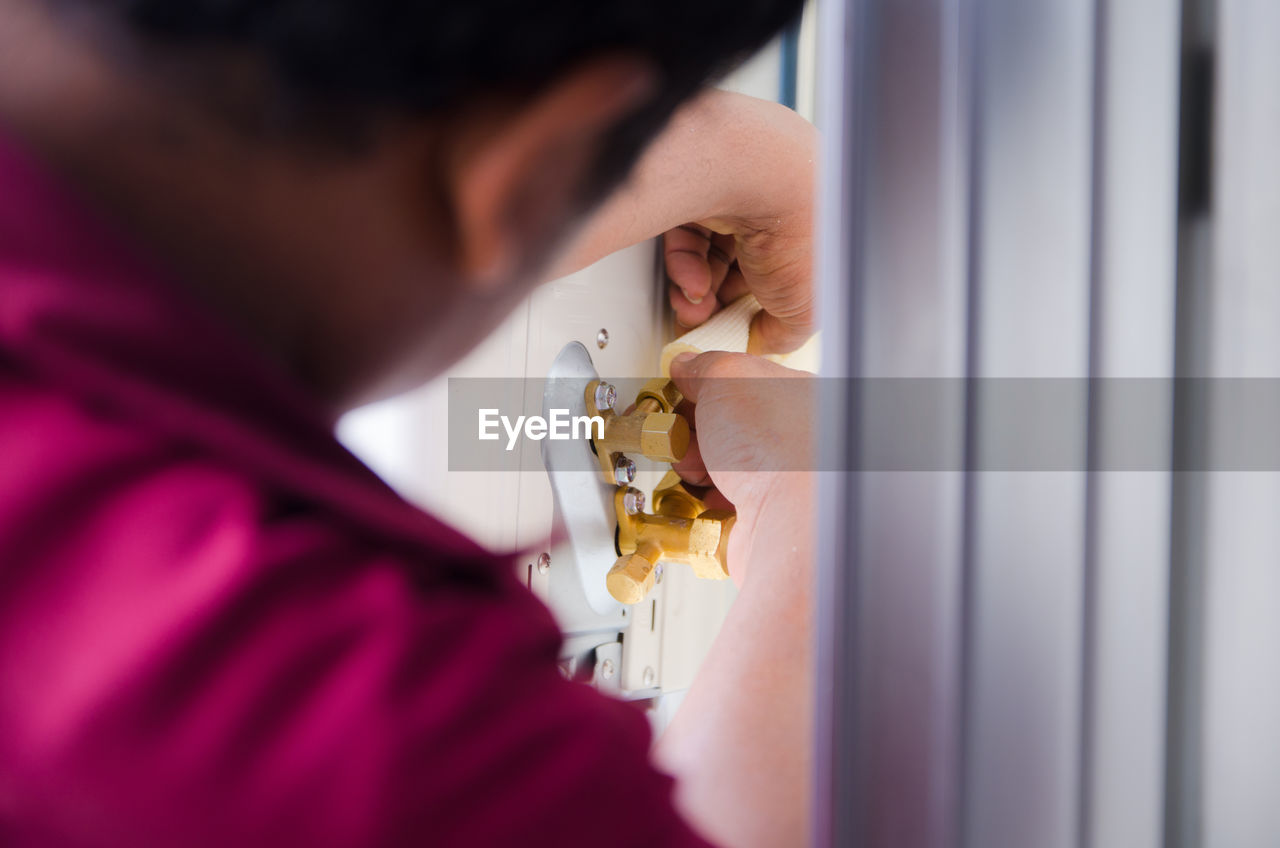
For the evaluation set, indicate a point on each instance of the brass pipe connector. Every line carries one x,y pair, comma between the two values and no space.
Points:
680,530
652,429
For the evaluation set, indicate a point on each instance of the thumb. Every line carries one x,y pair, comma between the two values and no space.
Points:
689,371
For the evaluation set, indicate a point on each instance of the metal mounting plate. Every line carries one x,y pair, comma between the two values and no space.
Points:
584,514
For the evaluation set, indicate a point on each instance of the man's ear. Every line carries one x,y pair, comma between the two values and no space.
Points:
517,179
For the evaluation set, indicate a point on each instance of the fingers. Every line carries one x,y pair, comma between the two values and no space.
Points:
686,373
690,371
685,251
771,333
733,287
689,411
694,372
706,273
715,499
697,261
786,320
692,469
688,313
720,256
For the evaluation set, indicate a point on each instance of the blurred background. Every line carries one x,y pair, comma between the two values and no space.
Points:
1072,190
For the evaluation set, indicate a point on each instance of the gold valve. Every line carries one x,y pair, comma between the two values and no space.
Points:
652,429
680,530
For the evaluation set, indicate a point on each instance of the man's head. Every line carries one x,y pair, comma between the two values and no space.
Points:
432,153
337,66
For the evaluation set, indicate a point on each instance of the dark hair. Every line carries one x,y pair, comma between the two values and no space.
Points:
347,60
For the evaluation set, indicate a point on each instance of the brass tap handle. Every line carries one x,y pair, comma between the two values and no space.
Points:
633,576
680,530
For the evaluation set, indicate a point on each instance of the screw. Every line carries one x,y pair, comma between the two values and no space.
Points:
602,339
633,501
657,574
544,563
650,677
624,470
606,669
606,396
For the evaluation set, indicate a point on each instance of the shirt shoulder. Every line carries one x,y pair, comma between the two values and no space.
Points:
196,660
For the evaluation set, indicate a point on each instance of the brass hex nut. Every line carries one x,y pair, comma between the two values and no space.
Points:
664,436
708,538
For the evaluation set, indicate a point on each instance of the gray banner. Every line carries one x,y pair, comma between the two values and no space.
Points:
1021,424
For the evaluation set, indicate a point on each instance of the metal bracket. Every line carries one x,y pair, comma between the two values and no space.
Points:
584,515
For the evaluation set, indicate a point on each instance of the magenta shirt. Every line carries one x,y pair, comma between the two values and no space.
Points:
217,627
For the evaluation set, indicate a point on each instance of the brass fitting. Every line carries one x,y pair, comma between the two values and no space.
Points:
652,429
659,394
680,530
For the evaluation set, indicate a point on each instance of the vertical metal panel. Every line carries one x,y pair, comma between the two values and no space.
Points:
1033,179
836,811
893,304
1242,695
910,321
1047,136
1133,314
1184,736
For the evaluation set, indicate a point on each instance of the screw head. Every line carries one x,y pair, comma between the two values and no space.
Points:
606,669
633,501
650,677
624,470
606,396
544,563
602,339
657,574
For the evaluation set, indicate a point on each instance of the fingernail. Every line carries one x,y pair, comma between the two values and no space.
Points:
694,300
683,358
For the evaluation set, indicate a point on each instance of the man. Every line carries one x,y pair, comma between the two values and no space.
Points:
222,223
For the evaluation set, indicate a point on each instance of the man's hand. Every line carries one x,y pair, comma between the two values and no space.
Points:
730,183
752,443
740,744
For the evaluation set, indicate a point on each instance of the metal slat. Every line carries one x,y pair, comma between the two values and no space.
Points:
1241,777
1033,182
999,202
1135,239
836,807
904,313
